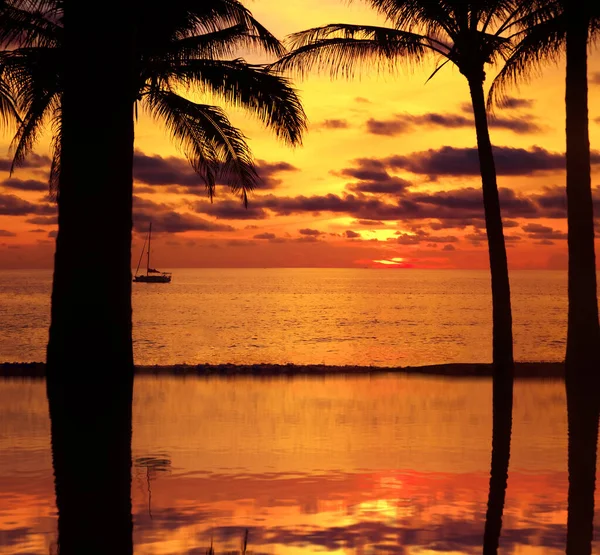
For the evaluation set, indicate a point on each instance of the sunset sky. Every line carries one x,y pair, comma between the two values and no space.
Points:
387,176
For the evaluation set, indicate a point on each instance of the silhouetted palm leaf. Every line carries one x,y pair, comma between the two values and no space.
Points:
214,147
179,46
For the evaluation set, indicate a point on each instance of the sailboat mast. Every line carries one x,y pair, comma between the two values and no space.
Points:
149,237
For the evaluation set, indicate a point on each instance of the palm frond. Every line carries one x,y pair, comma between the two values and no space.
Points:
23,28
256,88
9,114
56,146
213,146
539,44
224,43
342,49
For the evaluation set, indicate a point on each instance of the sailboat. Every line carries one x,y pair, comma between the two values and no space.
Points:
152,275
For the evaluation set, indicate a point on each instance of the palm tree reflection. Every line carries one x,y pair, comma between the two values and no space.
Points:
152,465
91,456
502,415
582,410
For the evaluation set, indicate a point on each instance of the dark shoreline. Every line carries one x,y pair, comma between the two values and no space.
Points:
530,370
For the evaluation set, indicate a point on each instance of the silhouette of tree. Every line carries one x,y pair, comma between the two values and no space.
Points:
549,30
83,72
185,46
90,356
470,35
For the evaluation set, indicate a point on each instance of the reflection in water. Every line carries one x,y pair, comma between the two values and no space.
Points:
582,406
152,465
91,456
502,426
336,465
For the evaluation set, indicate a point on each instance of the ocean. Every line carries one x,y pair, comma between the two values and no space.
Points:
309,316
336,464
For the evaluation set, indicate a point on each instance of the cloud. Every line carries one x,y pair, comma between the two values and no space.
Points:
32,161
457,208
310,232
161,171
459,162
11,205
595,78
449,248
174,222
332,124
266,236
373,178
362,100
43,220
165,219
513,103
158,171
404,123
6,233
352,234
369,223
543,232
25,185
231,210
269,173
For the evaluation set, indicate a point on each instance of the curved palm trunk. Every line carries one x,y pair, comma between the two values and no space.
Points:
503,363
90,356
582,363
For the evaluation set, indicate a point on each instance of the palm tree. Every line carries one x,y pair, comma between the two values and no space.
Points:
84,75
551,28
470,35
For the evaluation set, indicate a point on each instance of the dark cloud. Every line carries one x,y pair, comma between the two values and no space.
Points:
266,236
52,234
310,232
362,100
373,178
460,205
229,209
174,222
11,205
421,236
513,103
6,233
404,123
165,219
158,171
25,185
352,234
369,223
168,171
32,161
449,248
595,78
332,124
43,220
37,230
543,232
459,162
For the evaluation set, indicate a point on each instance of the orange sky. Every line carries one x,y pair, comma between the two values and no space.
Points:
387,173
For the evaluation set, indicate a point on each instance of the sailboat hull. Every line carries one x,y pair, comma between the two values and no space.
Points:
152,279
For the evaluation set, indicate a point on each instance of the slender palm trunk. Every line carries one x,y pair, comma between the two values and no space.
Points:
502,348
582,363
90,356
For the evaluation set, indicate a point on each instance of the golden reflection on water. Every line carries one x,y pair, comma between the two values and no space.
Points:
338,465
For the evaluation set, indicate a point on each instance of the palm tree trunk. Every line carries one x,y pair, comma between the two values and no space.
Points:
582,362
90,355
502,348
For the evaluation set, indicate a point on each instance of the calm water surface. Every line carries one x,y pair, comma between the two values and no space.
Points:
392,464
309,316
